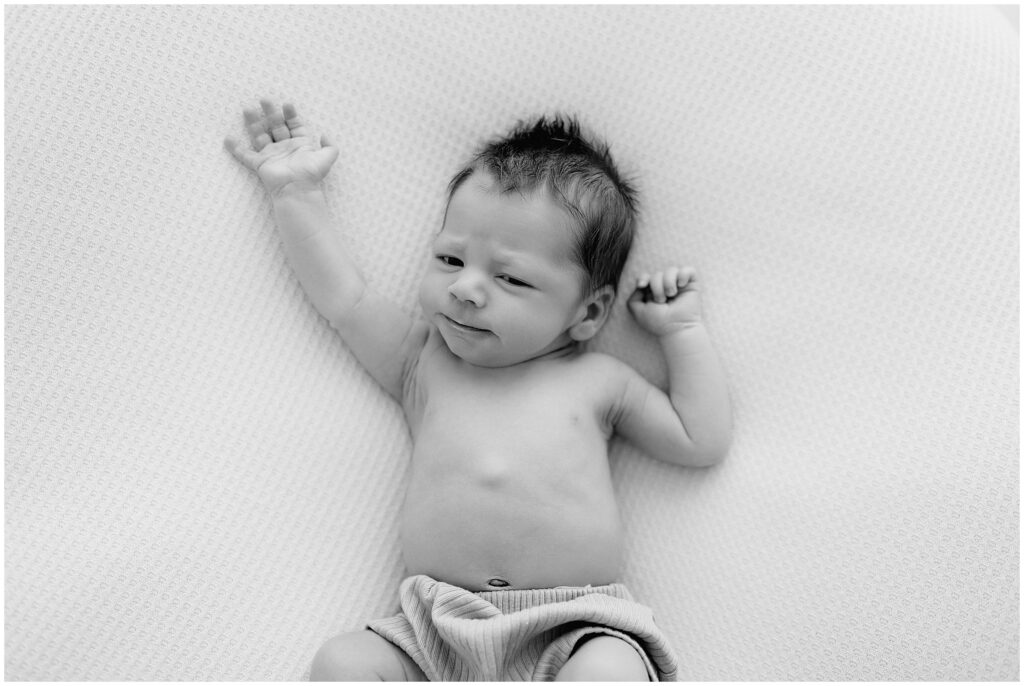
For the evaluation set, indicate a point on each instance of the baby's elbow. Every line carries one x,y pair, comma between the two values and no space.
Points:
717,445
713,457
707,454
702,458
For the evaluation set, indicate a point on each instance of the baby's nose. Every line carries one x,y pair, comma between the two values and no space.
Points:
469,288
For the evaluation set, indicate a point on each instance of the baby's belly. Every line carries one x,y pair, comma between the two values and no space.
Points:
517,529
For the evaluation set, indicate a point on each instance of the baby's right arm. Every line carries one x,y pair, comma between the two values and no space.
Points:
292,164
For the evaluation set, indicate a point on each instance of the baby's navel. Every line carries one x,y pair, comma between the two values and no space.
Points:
498,582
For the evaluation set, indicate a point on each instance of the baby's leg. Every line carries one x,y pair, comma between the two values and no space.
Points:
603,658
363,656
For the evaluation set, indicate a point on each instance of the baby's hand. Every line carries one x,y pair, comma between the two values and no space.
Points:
666,302
285,155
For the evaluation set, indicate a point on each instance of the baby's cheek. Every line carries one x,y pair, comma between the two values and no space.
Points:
428,295
536,326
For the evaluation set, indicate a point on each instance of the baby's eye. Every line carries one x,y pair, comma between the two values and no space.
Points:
450,261
513,281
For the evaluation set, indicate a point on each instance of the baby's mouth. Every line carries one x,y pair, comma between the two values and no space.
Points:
459,326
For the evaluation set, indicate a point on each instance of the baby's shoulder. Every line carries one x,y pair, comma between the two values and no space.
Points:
607,370
598,360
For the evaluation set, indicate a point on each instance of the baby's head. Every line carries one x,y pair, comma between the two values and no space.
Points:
536,233
552,156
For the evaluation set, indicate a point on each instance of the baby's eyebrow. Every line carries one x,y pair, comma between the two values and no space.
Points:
514,258
532,257
442,240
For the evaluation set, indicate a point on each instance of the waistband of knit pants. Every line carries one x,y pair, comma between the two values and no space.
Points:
515,600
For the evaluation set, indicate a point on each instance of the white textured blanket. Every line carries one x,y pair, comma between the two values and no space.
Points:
201,483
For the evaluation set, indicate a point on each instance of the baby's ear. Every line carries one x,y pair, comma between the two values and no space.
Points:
593,314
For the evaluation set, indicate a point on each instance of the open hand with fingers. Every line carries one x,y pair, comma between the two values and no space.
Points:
285,153
667,301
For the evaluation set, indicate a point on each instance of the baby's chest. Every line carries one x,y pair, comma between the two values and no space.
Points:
528,408
509,411
510,442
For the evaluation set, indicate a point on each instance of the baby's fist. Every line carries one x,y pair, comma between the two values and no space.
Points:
666,301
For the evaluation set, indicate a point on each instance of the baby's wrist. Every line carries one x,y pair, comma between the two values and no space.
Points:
295,191
679,330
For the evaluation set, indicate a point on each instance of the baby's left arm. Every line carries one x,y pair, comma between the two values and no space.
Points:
692,424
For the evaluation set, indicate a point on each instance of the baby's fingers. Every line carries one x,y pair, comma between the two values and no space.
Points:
256,126
687,279
670,278
275,124
296,126
247,157
659,288
641,287
649,288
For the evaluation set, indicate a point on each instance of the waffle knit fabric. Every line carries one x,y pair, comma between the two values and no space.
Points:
517,634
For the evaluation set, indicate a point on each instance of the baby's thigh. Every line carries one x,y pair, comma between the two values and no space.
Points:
604,658
363,656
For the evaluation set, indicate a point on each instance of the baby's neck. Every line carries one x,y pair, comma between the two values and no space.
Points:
566,350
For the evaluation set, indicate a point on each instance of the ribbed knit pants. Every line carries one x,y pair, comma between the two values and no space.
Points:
516,635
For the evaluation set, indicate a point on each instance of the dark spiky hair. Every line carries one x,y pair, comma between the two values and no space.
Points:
553,154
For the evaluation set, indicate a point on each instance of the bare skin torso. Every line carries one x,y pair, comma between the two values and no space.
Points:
510,485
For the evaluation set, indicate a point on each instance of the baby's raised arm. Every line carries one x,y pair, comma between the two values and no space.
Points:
292,163
692,424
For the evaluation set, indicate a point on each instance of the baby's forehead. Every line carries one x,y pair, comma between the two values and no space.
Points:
509,222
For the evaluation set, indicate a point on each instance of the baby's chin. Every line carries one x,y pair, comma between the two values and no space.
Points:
481,359
491,359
